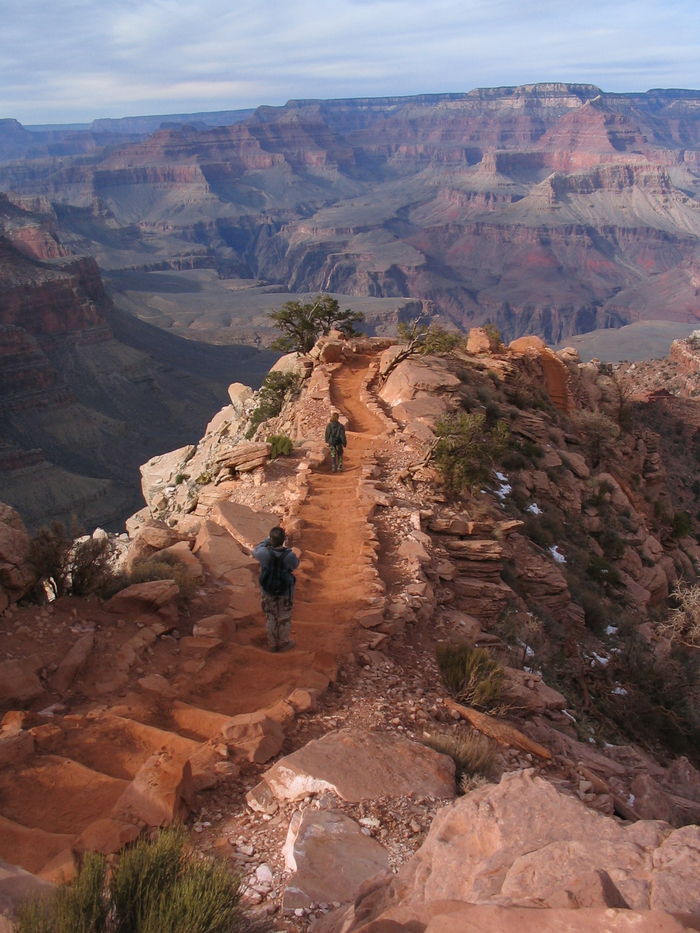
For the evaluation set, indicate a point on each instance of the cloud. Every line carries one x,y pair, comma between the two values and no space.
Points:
81,59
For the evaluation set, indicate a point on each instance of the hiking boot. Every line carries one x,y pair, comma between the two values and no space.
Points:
286,646
273,648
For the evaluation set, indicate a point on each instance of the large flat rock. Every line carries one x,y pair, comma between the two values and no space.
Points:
218,552
246,526
362,766
522,844
330,857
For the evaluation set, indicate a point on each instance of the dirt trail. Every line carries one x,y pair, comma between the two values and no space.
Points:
334,530
91,760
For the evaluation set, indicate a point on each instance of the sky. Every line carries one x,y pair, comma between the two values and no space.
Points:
64,61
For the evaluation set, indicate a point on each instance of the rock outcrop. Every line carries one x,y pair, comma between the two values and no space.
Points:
521,844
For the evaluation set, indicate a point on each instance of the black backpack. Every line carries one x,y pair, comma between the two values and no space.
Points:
335,434
275,578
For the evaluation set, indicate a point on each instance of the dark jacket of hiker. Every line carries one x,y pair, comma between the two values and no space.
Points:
335,434
263,554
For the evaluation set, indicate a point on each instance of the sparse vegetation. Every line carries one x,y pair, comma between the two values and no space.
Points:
422,339
302,323
470,675
466,451
494,335
69,566
155,887
273,392
683,623
162,567
474,756
280,446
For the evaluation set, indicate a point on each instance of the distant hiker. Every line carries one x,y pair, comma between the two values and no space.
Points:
277,584
335,438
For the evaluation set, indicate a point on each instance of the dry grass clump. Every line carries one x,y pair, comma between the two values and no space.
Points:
683,623
473,754
470,675
162,567
156,887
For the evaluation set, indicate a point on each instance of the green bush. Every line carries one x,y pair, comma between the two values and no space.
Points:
473,754
271,399
465,452
470,675
156,887
681,525
601,571
281,446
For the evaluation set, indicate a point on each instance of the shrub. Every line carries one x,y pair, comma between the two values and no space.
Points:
601,571
599,434
470,675
465,451
681,525
162,567
683,623
79,568
494,335
271,399
473,754
281,446
90,568
156,887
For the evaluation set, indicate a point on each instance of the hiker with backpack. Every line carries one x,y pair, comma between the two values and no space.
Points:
335,438
277,584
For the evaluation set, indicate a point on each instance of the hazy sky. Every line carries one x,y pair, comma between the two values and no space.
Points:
75,60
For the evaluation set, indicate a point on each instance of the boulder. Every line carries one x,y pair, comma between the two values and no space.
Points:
217,626
18,886
18,685
239,395
575,462
650,801
484,918
156,534
143,597
522,844
331,351
160,794
74,661
157,685
182,553
478,341
358,765
160,472
412,376
106,836
17,575
218,552
253,736
246,526
16,747
330,857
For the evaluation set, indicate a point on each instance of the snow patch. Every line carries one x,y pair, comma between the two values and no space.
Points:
534,509
557,554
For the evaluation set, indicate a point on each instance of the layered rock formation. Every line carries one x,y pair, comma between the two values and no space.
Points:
552,208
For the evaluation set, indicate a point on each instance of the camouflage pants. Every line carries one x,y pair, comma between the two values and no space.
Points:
278,618
337,458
